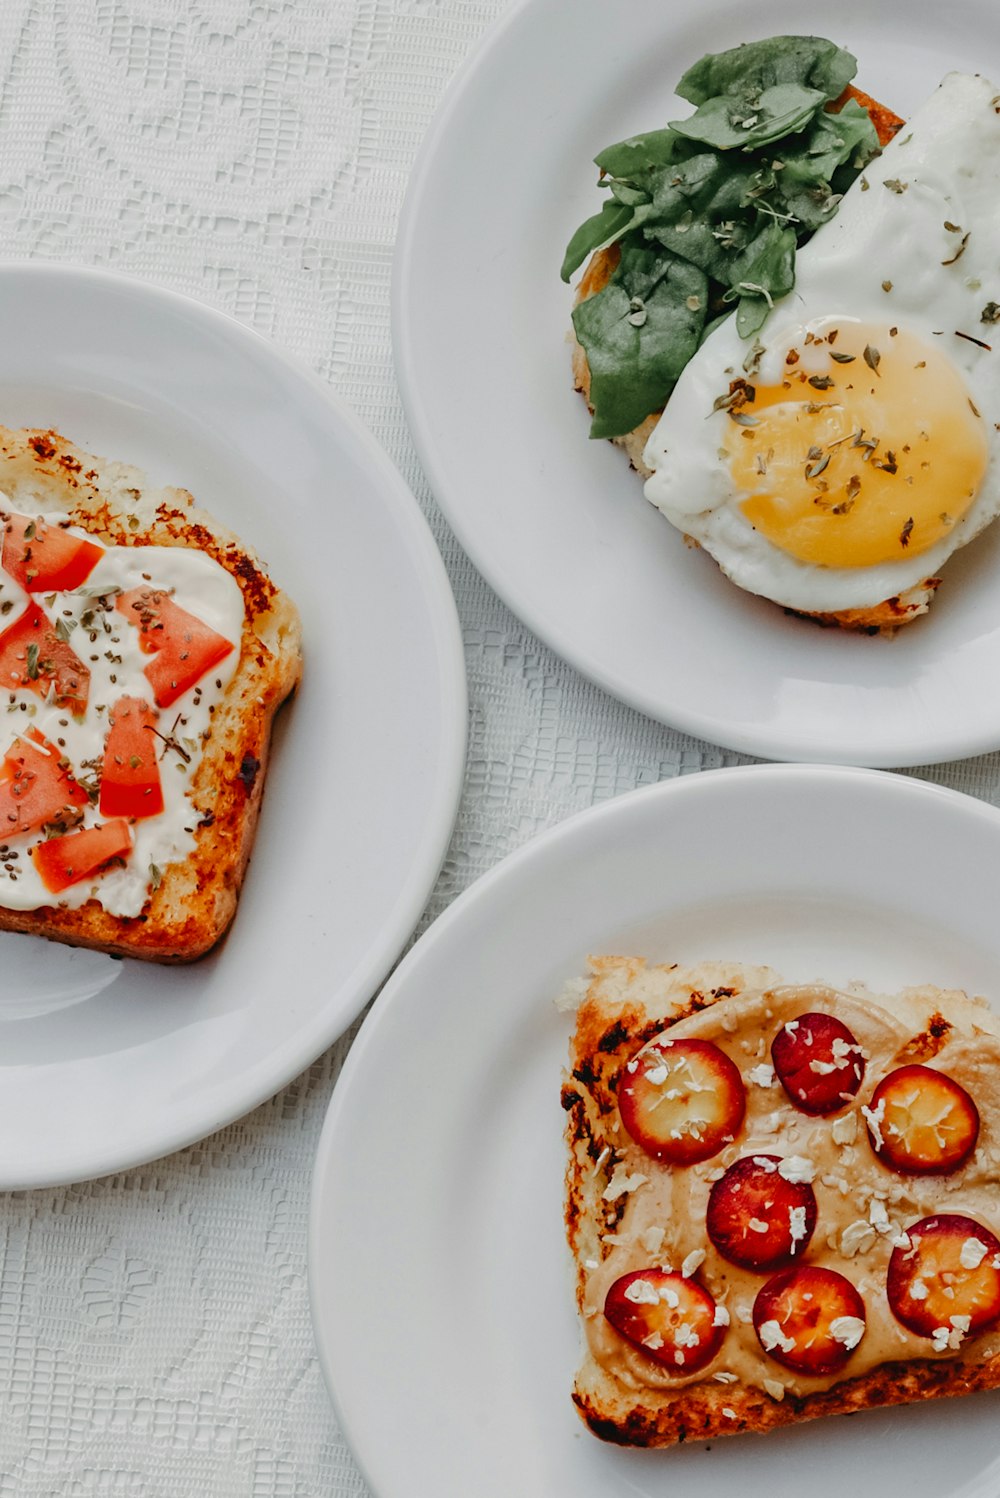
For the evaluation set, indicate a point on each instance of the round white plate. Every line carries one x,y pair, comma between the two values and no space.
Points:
106,1064
559,525
441,1285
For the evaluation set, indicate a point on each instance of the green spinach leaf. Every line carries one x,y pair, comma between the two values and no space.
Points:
638,334
753,66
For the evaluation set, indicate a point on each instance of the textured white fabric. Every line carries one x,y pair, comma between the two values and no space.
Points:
154,1327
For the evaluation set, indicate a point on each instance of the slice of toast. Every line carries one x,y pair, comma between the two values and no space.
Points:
891,612
628,1212
190,902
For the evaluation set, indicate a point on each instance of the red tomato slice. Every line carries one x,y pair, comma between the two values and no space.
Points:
130,774
33,658
44,558
62,861
35,786
185,647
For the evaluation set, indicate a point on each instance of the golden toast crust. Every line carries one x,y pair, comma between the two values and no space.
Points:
196,899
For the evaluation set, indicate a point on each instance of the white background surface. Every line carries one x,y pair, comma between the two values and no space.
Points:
154,1327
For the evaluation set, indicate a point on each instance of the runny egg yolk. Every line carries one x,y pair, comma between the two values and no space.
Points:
869,449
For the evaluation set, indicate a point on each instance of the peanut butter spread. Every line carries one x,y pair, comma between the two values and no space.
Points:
864,1207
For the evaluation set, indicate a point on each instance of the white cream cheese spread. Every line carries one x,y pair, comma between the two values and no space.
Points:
108,645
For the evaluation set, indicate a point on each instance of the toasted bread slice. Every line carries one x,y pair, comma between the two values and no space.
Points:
601,266
190,902
626,1211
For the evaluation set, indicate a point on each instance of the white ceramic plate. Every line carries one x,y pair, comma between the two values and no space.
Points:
106,1064
557,524
441,1287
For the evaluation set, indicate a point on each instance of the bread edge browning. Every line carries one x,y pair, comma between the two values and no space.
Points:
196,900
613,1022
891,613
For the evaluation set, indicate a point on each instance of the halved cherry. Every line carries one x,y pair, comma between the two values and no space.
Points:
62,861
810,1319
130,771
818,1062
951,1270
681,1100
183,647
35,786
758,1219
46,558
34,658
921,1121
671,1319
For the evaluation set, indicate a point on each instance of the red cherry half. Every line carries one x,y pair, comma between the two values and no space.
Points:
669,1318
922,1122
818,1062
758,1219
951,1270
810,1319
681,1100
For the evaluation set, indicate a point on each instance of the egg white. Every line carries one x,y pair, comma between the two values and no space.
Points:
949,157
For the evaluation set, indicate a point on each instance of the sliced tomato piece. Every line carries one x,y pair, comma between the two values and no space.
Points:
35,786
818,1062
33,658
757,1218
946,1285
185,647
672,1320
681,1100
810,1319
130,772
921,1121
45,558
62,861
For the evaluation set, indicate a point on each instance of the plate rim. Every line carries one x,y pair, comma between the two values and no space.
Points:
272,1073
936,746
511,868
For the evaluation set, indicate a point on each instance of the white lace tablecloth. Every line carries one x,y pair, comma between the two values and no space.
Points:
154,1327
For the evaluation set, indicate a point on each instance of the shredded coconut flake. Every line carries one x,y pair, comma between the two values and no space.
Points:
973,1253
918,1290
874,1117
776,1390
796,1225
798,1169
845,1130
762,1075
878,1216
621,1183
725,1378
772,1336
642,1293
652,1240
756,1226
693,1262
721,1317
847,1330
857,1238
729,1414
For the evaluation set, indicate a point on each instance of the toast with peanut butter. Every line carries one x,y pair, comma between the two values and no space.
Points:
144,653
781,1200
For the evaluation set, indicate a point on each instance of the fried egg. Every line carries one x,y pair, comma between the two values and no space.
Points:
839,458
